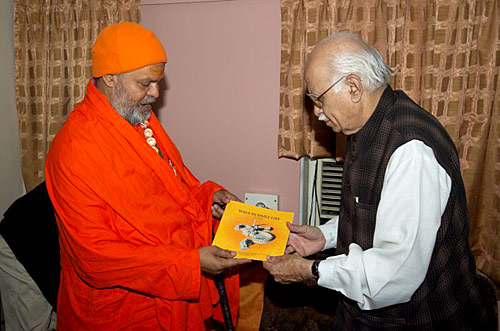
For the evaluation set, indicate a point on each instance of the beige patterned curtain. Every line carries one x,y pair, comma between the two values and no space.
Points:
446,57
53,42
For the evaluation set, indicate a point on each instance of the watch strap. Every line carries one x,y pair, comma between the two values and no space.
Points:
315,269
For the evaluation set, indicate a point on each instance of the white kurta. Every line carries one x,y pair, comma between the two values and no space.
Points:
414,196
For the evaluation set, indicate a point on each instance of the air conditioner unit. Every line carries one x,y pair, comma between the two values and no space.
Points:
321,184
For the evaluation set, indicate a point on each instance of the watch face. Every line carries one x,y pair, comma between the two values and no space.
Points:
315,269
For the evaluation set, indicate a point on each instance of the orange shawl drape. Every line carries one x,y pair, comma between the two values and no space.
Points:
129,228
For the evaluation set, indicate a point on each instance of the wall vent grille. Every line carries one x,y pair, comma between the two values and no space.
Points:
328,188
321,187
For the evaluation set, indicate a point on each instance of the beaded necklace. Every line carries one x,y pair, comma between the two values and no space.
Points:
148,134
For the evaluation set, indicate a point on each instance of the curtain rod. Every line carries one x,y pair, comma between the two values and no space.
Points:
174,2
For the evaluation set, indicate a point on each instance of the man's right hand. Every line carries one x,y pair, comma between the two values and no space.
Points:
304,239
215,260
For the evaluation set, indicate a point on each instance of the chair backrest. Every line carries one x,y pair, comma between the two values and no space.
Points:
29,227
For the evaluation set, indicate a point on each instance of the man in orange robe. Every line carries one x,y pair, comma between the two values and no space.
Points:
135,226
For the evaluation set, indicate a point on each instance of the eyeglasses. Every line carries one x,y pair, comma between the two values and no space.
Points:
317,99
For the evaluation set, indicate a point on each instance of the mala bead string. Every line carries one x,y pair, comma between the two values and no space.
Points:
148,134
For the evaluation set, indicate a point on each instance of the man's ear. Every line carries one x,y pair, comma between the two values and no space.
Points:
109,80
355,87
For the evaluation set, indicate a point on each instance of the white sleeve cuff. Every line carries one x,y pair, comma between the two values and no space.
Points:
329,230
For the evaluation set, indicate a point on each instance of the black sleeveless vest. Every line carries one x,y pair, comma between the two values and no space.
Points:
449,298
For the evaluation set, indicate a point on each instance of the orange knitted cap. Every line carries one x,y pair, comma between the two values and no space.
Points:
125,47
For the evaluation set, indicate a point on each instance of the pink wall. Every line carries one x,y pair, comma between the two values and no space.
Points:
222,92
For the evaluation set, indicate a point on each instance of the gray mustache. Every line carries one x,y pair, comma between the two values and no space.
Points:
147,100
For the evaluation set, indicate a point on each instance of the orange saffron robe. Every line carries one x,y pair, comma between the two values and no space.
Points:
129,228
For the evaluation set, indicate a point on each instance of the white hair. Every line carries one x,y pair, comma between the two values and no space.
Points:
366,62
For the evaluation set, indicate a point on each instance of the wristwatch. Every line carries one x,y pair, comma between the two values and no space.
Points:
315,270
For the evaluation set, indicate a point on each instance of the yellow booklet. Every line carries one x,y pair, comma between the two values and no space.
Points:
253,232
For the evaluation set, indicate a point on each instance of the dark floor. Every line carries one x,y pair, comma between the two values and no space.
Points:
297,307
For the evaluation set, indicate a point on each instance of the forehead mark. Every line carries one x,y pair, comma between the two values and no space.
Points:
157,71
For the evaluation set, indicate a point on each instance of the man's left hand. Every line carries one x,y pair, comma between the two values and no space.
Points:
290,268
221,197
215,260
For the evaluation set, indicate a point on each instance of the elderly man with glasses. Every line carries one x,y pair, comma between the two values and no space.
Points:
402,260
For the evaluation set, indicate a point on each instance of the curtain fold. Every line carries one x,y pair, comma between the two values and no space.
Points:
446,57
53,59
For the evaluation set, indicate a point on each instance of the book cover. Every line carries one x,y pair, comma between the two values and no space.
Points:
253,232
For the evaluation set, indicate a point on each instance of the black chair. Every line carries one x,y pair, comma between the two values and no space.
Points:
29,227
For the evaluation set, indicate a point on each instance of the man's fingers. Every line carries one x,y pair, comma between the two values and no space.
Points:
236,261
217,211
296,228
220,252
229,256
267,265
224,196
274,259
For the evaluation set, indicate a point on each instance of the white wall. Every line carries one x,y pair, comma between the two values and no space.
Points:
221,101
11,184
